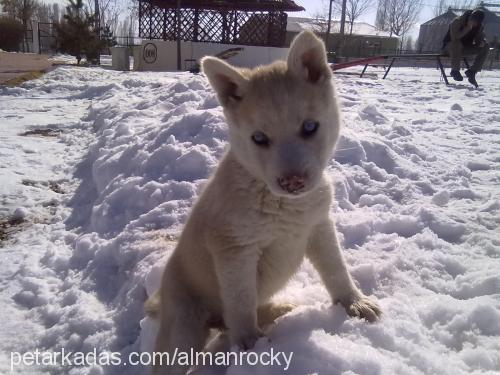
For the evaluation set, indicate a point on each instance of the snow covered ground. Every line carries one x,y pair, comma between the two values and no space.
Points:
95,208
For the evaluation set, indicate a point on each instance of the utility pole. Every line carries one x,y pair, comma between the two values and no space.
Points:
342,27
178,32
97,26
328,27
342,18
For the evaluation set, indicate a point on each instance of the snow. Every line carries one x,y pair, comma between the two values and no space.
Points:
100,202
68,59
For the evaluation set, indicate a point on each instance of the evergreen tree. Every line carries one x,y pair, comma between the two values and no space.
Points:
107,37
104,40
75,33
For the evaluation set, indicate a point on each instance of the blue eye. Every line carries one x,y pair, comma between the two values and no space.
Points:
309,127
260,139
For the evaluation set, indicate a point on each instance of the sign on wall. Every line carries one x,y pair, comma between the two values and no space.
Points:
150,53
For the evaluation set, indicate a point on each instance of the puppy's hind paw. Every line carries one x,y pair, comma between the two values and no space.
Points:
269,312
363,308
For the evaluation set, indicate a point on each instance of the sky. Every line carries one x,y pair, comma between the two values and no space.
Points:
314,7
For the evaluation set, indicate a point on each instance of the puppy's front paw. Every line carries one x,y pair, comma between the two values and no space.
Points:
362,307
269,312
247,340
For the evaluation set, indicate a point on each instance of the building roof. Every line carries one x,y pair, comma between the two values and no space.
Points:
298,24
246,5
443,19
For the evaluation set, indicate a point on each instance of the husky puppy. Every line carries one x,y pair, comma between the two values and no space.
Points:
265,208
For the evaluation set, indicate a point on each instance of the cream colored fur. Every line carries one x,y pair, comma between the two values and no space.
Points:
247,235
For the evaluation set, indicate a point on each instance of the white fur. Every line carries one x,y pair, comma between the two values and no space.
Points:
247,235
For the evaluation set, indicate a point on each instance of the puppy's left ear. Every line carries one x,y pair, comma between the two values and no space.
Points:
307,58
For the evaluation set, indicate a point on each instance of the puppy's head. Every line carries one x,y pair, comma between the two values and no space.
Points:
283,118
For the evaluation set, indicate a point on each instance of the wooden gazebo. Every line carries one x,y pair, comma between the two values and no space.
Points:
246,22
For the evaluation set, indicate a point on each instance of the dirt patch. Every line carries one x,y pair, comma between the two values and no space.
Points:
16,68
29,183
55,187
8,227
41,133
23,77
52,185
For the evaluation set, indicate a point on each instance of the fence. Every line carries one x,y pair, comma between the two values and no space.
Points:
47,37
27,43
128,41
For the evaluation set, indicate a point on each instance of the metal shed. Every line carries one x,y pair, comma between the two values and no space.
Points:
432,32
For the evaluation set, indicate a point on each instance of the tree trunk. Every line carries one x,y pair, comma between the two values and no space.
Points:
25,36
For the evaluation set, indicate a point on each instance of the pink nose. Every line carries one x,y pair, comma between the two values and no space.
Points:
292,183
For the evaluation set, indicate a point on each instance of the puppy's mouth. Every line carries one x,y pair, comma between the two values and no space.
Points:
292,186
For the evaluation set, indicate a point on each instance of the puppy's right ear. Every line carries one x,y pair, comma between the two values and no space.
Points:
226,80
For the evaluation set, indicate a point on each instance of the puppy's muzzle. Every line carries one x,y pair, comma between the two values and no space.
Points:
293,183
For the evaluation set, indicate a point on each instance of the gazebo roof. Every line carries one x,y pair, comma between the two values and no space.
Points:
244,5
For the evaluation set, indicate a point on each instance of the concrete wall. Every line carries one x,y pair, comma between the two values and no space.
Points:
160,55
36,39
356,45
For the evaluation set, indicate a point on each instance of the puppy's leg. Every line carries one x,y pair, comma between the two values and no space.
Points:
325,254
236,269
152,305
268,313
182,326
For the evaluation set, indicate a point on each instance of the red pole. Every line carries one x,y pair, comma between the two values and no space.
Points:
357,62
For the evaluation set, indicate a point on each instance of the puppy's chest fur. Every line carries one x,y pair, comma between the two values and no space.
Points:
278,229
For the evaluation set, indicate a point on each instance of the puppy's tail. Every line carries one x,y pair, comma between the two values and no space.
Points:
152,305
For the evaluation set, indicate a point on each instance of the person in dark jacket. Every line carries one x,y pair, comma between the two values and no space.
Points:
466,37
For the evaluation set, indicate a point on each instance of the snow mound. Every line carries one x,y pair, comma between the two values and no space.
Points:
418,221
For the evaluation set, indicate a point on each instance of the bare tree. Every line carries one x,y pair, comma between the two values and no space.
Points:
109,12
56,13
127,30
402,15
463,4
42,12
409,45
382,20
320,23
126,27
47,13
133,8
22,10
320,18
441,7
354,9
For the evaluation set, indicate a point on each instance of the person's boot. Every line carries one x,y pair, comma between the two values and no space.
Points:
471,75
455,74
